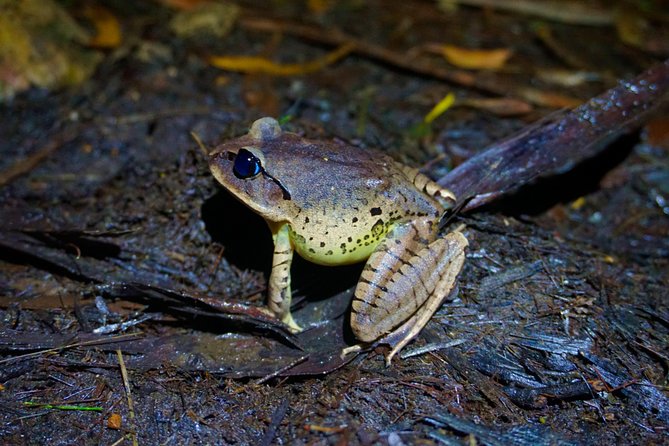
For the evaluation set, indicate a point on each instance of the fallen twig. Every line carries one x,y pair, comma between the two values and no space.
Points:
126,385
27,164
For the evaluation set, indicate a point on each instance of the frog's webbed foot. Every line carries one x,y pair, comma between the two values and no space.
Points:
292,325
403,284
357,348
286,319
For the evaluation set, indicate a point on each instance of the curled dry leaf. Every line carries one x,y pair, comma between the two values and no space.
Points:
476,59
107,27
251,64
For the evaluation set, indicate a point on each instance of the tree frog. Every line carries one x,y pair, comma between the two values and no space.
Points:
335,204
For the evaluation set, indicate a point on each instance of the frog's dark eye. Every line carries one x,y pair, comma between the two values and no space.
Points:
247,165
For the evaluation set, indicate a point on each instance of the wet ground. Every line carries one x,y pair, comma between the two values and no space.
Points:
129,280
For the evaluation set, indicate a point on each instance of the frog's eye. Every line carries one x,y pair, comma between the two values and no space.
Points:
247,165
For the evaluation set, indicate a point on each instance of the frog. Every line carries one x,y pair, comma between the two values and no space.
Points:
333,203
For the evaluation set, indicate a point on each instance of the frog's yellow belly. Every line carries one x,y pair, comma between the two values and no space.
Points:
344,249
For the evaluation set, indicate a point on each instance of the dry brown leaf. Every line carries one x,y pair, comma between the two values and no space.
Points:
114,421
252,64
107,27
476,59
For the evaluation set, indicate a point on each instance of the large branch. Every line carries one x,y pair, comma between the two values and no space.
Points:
556,144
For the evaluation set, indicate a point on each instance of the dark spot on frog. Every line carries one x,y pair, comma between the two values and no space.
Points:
311,250
306,220
355,220
365,237
378,229
343,246
375,211
329,253
350,239
322,244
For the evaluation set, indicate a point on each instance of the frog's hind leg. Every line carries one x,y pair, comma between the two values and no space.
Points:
404,282
424,183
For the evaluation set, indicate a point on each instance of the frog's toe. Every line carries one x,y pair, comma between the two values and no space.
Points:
354,349
292,325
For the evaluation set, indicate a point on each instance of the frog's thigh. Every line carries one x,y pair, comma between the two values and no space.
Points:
404,282
279,280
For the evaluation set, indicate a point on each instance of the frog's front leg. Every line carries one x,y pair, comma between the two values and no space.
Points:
279,280
404,282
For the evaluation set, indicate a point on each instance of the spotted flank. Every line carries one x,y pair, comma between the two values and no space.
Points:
358,246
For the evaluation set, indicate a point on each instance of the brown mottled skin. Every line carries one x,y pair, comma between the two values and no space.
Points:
337,204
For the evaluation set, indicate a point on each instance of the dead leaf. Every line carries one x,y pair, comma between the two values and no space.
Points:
216,19
114,421
476,59
107,27
251,64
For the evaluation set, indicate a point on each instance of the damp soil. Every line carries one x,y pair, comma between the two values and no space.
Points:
121,256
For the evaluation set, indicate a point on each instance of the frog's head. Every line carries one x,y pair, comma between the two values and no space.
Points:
239,165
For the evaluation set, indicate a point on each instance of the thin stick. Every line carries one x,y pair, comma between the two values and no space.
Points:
126,384
199,143
65,347
278,372
27,164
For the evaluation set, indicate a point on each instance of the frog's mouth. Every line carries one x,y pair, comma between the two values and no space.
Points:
248,166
